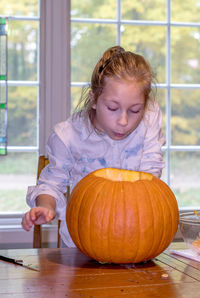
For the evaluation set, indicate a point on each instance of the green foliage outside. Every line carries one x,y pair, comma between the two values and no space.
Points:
88,42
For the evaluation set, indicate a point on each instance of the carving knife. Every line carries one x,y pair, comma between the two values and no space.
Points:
19,262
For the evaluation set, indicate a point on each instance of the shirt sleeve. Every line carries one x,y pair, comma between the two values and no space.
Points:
55,177
152,157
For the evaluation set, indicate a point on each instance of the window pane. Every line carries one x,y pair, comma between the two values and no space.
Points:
185,175
151,42
144,10
185,11
17,172
93,9
22,50
185,55
84,49
22,116
19,8
146,40
185,117
18,169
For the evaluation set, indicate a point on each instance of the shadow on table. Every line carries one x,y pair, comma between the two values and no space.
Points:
85,277
76,259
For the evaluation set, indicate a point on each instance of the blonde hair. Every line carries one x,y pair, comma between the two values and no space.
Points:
121,64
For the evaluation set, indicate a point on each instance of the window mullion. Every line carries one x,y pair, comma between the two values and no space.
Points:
168,95
54,66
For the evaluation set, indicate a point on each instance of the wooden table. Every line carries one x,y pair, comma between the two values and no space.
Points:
68,273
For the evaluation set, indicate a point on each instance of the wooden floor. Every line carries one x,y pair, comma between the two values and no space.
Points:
68,273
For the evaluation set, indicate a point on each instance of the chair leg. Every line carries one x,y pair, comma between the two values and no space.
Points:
58,238
37,239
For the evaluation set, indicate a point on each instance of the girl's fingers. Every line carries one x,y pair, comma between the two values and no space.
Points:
26,222
50,215
41,215
37,215
45,215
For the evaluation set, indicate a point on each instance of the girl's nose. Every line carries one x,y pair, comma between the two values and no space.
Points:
123,119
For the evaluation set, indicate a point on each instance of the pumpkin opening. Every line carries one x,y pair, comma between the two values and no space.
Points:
115,174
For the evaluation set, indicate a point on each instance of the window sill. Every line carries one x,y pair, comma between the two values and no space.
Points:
12,235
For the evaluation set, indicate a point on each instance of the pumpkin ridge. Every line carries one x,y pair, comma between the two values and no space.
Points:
118,231
70,215
82,191
169,203
105,243
99,185
82,248
144,189
131,218
125,217
165,198
138,223
110,225
119,217
150,195
170,193
165,241
159,200
164,205
163,238
103,221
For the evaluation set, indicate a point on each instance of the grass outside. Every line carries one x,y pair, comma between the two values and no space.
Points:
188,198
15,200
19,163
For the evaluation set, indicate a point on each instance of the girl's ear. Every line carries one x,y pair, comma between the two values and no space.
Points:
91,94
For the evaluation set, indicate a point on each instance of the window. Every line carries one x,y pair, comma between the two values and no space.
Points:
18,168
167,33
39,53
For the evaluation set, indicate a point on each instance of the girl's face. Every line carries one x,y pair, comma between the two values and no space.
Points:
119,108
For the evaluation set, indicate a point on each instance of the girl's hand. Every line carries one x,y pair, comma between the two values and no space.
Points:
37,216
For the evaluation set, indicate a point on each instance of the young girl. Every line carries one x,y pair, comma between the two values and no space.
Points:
118,126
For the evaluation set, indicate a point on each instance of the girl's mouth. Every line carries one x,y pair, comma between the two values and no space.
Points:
119,135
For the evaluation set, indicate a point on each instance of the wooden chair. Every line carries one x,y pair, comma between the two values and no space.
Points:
37,232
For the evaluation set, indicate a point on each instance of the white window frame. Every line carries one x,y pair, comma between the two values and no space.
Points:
55,66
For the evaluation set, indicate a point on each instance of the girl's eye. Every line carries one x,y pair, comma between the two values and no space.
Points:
112,109
135,112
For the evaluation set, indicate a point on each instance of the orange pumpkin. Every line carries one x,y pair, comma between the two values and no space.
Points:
122,216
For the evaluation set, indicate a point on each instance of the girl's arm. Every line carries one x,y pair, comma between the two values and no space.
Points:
46,201
54,178
152,157
43,213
